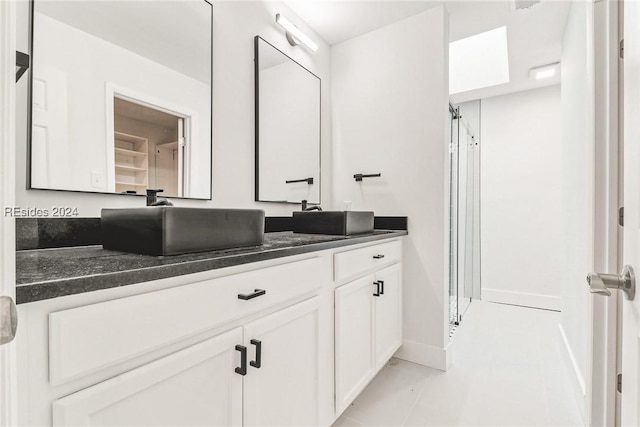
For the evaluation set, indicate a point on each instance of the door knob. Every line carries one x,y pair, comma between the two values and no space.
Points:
601,283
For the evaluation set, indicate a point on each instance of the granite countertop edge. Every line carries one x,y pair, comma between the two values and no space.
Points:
37,286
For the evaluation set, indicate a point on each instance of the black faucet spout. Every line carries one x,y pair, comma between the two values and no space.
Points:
307,207
152,198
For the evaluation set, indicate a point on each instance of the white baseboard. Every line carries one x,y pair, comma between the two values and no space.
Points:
425,354
546,302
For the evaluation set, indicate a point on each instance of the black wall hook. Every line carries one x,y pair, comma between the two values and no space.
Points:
22,62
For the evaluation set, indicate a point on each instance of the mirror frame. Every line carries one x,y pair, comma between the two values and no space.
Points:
30,113
256,88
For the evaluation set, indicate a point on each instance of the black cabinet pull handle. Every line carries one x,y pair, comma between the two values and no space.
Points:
379,256
242,369
255,294
258,362
377,294
381,286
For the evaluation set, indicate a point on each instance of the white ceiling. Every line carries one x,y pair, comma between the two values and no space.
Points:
176,34
534,34
340,20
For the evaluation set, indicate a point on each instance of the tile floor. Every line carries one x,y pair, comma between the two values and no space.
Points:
508,370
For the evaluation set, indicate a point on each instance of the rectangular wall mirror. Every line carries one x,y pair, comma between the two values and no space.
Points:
287,128
121,97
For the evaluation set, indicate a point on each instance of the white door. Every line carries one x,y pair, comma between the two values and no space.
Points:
8,359
388,312
49,129
282,384
354,339
197,386
630,412
166,169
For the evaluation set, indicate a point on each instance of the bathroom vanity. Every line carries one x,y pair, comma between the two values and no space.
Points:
285,334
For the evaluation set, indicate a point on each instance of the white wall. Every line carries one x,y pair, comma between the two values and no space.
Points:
521,198
577,188
235,25
390,115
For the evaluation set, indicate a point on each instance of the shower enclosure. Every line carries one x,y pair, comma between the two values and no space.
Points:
464,203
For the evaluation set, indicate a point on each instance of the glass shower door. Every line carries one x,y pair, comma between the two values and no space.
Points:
465,212
453,218
464,218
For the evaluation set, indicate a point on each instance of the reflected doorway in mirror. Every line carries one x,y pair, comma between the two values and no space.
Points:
150,149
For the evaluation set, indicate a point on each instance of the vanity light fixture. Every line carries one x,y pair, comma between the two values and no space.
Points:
545,71
294,35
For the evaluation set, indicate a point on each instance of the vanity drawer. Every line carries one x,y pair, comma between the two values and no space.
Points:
350,264
87,339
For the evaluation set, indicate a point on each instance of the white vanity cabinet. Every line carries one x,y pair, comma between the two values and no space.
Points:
247,348
388,314
285,390
269,378
283,342
368,319
196,386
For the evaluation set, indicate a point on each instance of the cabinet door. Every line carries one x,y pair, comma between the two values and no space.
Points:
284,389
388,314
196,386
354,339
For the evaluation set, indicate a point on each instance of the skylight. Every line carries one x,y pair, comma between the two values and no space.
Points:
479,61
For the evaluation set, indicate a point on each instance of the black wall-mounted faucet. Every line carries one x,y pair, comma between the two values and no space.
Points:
358,177
152,198
307,180
306,207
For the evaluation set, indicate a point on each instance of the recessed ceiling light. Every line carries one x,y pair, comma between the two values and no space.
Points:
545,74
545,71
479,61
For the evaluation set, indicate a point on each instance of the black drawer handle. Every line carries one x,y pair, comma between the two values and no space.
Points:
377,294
242,369
257,363
381,286
255,294
379,256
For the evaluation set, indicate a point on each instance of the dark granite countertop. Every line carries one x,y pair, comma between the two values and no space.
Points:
51,273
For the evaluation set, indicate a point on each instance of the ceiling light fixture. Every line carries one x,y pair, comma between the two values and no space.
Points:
545,71
294,35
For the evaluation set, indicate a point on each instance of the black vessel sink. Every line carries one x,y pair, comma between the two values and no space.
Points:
168,230
343,223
